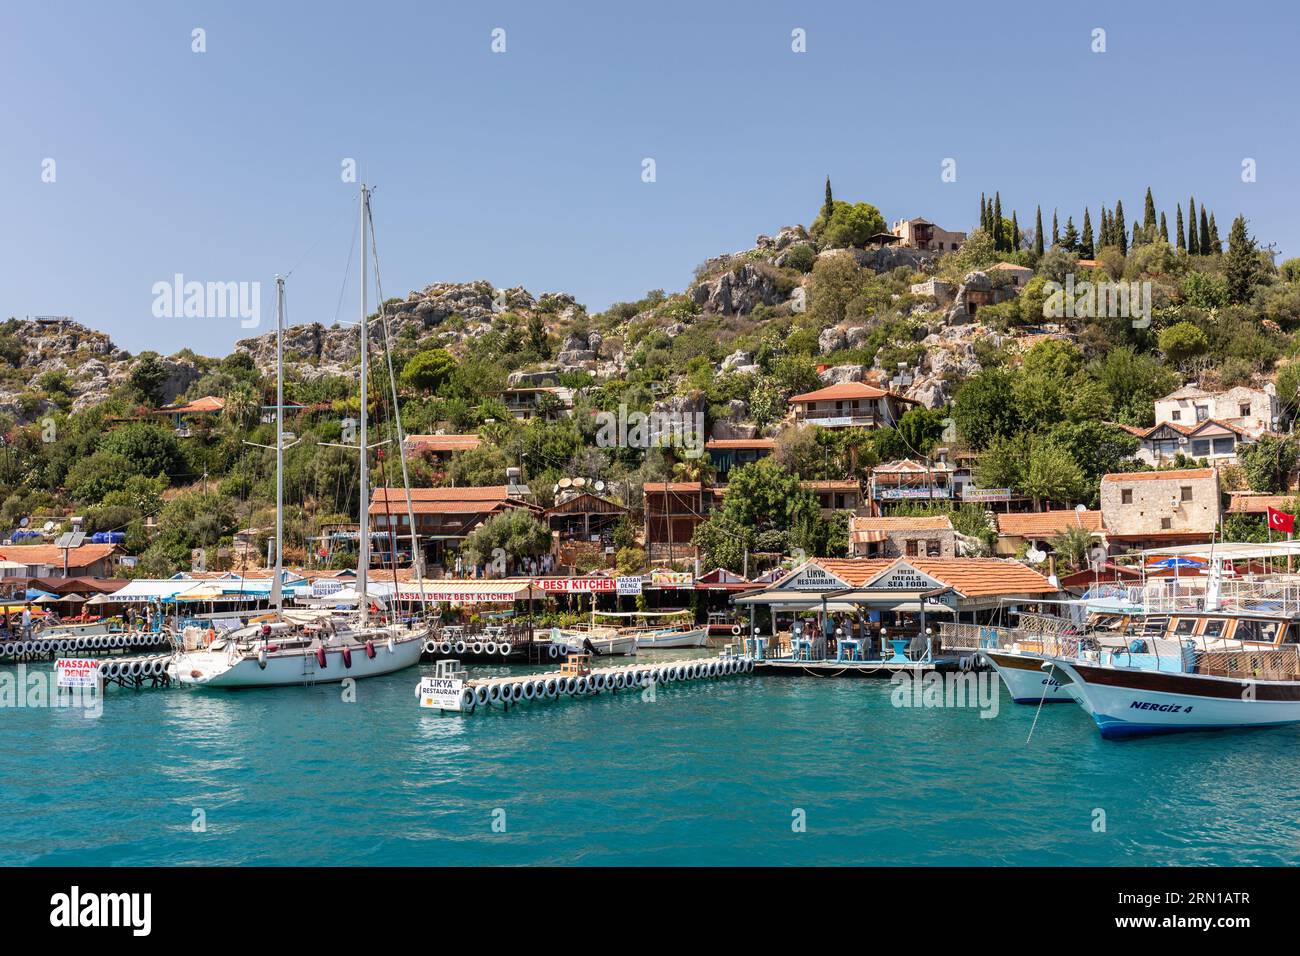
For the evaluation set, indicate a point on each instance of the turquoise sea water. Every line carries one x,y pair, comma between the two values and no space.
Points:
708,773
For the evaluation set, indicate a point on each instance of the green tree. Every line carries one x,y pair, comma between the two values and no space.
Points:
1268,463
1182,341
427,371
848,225
1121,232
151,450
1205,246
1051,474
1086,247
1241,266
510,536
149,377
1038,231
1178,227
984,407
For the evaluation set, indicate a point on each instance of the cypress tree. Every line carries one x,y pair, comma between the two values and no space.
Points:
984,214
1038,231
1086,249
999,240
1205,234
1107,227
1070,242
1015,232
1215,245
1241,265
1056,232
1178,228
1164,228
828,207
1193,244
1137,236
1149,216
1121,236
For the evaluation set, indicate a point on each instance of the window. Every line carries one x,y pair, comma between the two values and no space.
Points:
1166,524
1243,409
932,548
1225,446
1126,496
1185,492
1201,447
1177,415
911,548
1214,629
1202,412
1185,626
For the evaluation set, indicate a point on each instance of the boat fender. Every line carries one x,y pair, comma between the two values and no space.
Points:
490,647
261,658
476,648
392,646
584,686
444,647
553,651
494,693
480,694
460,648
467,699
528,691
370,649
735,630
347,657
505,649
430,647
517,691
320,658
550,690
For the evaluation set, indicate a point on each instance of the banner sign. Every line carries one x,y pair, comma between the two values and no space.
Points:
630,585
813,578
902,493
579,585
985,494
440,693
668,579
76,672
326,587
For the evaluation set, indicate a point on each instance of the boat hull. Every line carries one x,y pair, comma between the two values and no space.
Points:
1128,702
298,667
696,637
1024,678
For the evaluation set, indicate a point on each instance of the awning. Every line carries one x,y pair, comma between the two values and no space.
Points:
892,599
469,591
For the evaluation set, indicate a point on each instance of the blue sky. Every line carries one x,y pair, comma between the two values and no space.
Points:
524,168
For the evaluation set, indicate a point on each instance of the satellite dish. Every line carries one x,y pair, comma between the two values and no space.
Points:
1034,556
1080,508
566,482
579,482
555,489
22,522
600,486
48,527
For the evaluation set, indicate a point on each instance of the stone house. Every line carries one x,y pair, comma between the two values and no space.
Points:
1160,508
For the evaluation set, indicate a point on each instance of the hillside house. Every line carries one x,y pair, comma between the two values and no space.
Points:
1252,411
849,405
923,234
1152,509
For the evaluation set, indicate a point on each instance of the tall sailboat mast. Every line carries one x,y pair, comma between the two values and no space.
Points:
277,593
363,557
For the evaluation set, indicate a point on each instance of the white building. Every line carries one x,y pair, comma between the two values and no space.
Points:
1252,411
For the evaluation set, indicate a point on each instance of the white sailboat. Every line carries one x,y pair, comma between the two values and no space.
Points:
309,646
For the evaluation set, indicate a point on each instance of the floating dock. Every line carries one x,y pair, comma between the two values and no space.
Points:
790,667
50,648
573,680
136,672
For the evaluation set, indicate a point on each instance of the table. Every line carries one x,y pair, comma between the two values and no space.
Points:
899,646
852,645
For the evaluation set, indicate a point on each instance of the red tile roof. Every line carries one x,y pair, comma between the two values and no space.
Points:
1183,473
740,443
208,403
1046,524
840,392
440,443
81,557
660,487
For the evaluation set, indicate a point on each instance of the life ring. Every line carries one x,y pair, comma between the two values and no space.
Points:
735,630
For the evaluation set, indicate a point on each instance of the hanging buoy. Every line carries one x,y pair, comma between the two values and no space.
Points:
370,649
392,645
347,657
320,657
261,658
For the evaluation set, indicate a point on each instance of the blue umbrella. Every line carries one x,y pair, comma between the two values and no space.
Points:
1172,564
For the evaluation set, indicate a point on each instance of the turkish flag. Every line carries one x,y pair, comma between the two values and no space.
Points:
1280,520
